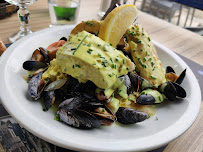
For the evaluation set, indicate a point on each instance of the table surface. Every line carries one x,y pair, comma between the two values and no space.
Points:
179,40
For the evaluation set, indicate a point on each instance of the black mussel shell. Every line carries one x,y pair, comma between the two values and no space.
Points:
45,54
127,82
34,65
49,99
143,84
169,69
180,92
145,99
168,90
78,118
74,87
128,116
63,38
34,85
181,77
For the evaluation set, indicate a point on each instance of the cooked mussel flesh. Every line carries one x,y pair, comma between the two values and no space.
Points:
128,116
41,55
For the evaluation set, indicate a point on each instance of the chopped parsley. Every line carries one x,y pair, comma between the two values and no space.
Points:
138,40
104,63
89,44
123,61
113,66
149,38
132,33
111,60
77,65
116,60
89,51
152,64
80,44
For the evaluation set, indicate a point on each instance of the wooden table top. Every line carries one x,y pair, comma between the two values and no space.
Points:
179,40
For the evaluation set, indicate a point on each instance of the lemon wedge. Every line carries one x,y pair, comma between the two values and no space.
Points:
116,23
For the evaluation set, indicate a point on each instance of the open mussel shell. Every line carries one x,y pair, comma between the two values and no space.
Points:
168,90
149,96
45,54
78,118
72,114
41,55
33,65
172,76
137,80
180,92
100,111
49,99
37,56
35,86
128,116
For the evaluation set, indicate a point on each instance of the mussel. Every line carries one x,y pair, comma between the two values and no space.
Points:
35,86
128,116
172,90
172,76
85,111
49,99
139,82
41,55
127,82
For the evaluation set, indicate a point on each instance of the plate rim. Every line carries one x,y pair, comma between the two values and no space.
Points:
81,146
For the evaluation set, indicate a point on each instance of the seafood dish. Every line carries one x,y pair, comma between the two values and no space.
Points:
99,75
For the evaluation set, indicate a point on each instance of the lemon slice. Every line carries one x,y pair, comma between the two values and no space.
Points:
116,23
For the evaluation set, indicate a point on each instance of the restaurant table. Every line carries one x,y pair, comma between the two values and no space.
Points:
177,39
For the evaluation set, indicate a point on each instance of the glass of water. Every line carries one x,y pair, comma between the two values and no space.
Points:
63,12
23,15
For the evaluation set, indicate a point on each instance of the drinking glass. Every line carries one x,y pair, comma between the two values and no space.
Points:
23,15
63,12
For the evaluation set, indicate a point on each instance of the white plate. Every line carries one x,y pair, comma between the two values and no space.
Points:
174,118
